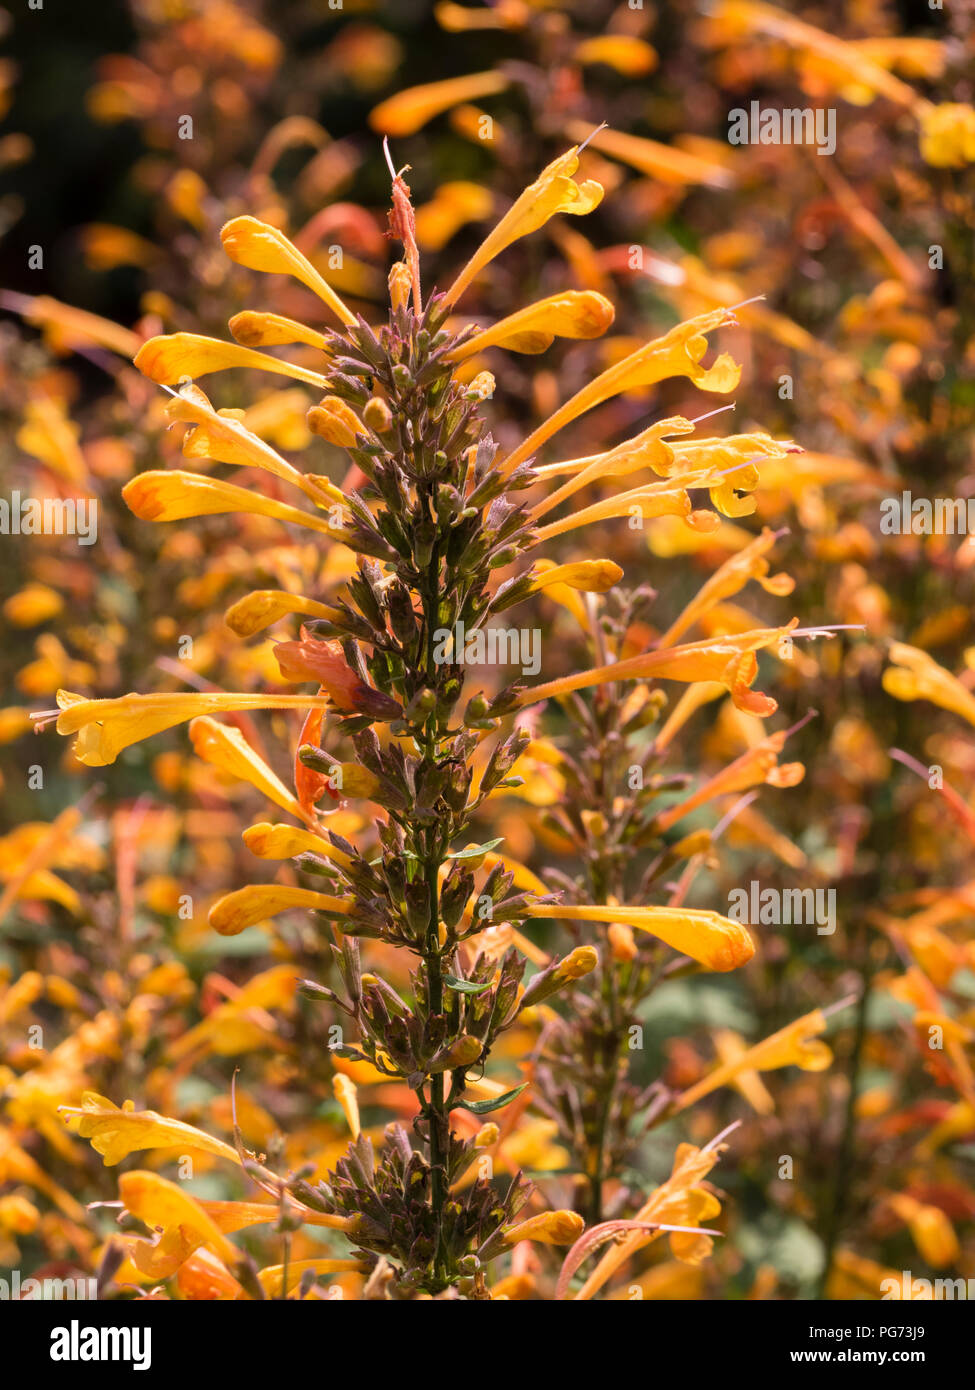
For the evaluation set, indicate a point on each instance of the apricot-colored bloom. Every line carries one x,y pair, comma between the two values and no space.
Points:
948,135
795,1045
245,907
752,16
264,607
680,1201
757,765
106,727
589,576
410,110
333,419
115,1133
729,579
661,162
554,191
571,314
705,936
174,495
226,748
259,246
548,1228
677,353
931,1231
345,1093
165,1207
729,660
731,1049
171,357
49,434
253,328
453,205
629,55
287,842
917,676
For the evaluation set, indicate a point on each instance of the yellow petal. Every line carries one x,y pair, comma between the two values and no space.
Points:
277,1280
230,914
571,314
165,1206
288,841
409,111
677,353
259,246
554,191
106,727
917,676
548,1228
707,937
590,576
627,54
225,747
660,162
259,609
175,495
172,357
115,1133
254,329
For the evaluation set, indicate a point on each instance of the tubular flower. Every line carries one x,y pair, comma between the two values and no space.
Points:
729,660
259,246
288,841
554,191
409,111
245,907
335,421
796,1045
677,353
916,676
588,576
681,1201
227,749
222,437
115,1133
660,162
548,1228
264,607
106,727
172,357
257,329
757,765
707,937
729,580
571,314
173,495
930,1229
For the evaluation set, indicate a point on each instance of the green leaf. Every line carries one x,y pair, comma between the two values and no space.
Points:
465,986
475,851
484,1107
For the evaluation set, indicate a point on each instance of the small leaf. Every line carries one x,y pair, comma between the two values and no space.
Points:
484,1107
475,851
465,986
